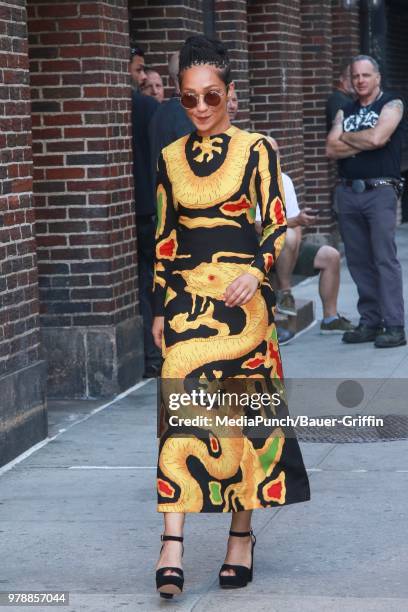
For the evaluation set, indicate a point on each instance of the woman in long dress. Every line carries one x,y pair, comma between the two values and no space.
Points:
214,318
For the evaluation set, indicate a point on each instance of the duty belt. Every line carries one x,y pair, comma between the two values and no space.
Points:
361,185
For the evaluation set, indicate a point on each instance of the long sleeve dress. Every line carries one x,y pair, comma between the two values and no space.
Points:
208,189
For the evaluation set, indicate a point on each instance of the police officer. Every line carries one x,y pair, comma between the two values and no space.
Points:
366,139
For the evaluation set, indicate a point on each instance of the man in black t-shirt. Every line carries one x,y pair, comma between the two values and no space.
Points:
366,139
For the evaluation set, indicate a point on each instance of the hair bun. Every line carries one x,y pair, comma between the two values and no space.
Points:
199,49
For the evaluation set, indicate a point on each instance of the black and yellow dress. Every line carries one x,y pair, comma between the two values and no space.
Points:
207,192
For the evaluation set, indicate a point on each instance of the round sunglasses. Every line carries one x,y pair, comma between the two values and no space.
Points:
191,100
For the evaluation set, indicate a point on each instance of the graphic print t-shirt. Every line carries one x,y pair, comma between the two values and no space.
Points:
383,162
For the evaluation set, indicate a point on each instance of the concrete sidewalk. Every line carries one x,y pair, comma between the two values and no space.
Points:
78,514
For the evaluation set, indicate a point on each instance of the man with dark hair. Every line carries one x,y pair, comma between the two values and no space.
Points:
366,139
170,122
137,67
143,109
341,96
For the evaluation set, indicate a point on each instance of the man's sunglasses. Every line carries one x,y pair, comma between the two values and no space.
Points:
211,98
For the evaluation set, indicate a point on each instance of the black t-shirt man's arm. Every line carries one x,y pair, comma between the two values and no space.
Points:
340,144
377,136
335,147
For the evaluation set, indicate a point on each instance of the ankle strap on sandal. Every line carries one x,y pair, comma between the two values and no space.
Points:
165,538
241,534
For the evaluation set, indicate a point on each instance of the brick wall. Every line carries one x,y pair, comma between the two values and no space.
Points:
397,50
231,28
345,44
276,80
19,334
345,36
397,77
23,420
83,184
317,85
82,162
160,28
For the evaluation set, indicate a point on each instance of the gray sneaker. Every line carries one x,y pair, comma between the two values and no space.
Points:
285,303
338,326
284,335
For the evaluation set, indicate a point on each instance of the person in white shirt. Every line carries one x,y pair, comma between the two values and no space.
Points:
307,259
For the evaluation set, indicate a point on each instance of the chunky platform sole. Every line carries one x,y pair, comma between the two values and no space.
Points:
168,585
168,591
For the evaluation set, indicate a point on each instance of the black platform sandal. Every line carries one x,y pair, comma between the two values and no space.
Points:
169,585
243,574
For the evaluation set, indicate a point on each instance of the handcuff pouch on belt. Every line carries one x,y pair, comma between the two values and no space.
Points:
360,185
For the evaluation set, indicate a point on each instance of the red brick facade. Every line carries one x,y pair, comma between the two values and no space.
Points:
22,380
83,193
317,84
82,162
231,27
396,57
19,332
276,79
345,36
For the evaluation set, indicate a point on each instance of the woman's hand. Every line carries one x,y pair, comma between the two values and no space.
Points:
157,331
241,290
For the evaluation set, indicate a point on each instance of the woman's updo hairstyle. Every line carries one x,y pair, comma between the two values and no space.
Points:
198,50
